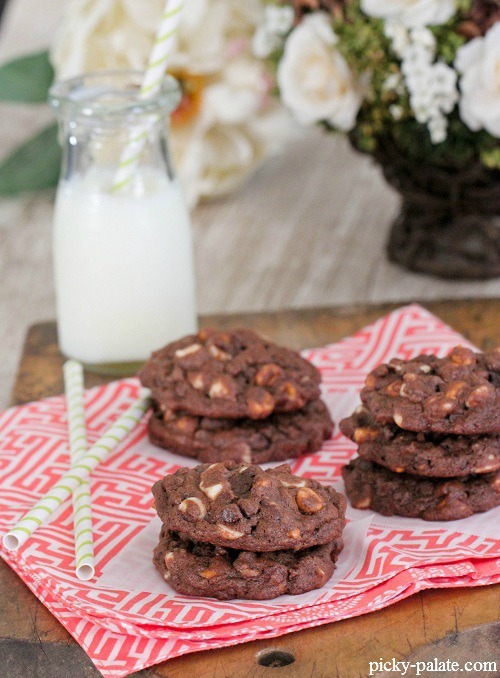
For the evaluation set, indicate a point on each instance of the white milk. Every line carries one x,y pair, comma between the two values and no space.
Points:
123,267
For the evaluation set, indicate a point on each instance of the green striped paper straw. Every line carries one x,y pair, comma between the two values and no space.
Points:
153,77
82,510
77,474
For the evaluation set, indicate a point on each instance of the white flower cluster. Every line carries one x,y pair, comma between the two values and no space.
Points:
432,85
411,13
270,34
223,131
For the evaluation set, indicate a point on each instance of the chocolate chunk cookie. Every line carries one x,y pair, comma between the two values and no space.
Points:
244,507
198,569
229,375
459,394
279,437
421,454
369,486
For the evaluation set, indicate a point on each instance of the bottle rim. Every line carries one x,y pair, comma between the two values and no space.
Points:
110,94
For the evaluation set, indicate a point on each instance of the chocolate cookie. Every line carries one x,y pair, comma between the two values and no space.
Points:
370,486
244,507
197,569
422,454
279,437
459,394
229,375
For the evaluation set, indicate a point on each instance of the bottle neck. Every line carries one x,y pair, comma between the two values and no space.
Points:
101,116
94,146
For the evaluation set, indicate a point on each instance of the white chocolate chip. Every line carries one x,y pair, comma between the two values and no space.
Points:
398,420
218,390
229,533
212,491
295,483
197,382
183,352
363,503
425,368
216,352
248,572
191,503
168,556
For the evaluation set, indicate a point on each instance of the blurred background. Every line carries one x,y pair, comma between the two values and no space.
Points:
303,224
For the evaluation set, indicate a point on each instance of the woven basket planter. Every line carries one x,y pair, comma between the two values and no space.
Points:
449,224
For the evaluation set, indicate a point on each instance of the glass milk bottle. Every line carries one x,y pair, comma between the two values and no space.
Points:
123,260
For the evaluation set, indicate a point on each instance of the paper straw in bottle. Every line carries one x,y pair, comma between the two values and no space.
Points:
77,474
153,77
82,511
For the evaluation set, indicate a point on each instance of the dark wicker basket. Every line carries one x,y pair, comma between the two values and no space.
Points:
449,224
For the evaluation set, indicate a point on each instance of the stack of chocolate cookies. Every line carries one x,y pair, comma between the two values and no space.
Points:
236,531
234,395
428,436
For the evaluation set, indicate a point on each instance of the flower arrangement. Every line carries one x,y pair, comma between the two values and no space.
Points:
415,83
228,123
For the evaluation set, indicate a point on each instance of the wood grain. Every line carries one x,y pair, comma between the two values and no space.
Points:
33,643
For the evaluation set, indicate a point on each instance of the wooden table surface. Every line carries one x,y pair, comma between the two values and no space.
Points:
33,644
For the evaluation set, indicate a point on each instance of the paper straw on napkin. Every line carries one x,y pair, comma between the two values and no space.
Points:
82,511
77,474
153,77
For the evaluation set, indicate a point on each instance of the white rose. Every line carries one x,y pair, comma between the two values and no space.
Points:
238,127
314,79
479,63
213,158
211,29
411,13
104,34
101,34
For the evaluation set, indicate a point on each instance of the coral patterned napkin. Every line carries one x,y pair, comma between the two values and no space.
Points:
128,618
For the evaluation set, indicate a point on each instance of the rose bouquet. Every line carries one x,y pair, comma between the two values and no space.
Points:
227,124
416,84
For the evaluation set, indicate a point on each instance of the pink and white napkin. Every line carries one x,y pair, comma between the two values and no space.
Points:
128,618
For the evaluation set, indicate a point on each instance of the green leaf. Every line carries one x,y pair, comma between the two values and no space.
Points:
27,79
33,166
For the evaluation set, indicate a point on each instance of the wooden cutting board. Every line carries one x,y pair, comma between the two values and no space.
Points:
34,644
